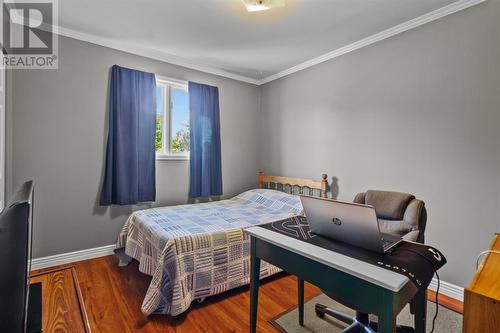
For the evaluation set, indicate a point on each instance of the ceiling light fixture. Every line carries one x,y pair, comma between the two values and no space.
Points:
260,5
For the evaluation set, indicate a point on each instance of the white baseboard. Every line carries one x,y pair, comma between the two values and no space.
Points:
66,258
445,288
448,289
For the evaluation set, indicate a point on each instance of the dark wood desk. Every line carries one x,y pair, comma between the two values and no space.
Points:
375,290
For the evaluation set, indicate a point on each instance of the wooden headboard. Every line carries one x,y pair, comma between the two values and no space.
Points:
291,185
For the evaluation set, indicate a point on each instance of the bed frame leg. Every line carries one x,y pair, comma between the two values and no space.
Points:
123,259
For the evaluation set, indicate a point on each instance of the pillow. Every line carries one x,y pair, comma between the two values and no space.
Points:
272,199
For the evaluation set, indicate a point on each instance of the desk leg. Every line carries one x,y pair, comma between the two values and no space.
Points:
421,311
386,320
300,285
254,285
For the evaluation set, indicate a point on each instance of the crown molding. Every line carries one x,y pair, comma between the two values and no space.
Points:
175,60
408,25
153,54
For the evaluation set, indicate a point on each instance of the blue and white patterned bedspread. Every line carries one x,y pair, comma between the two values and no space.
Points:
194,251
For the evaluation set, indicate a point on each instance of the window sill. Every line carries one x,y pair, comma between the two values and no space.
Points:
172,157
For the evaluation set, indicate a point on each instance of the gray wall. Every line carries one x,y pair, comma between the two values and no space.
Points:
57,135
419,112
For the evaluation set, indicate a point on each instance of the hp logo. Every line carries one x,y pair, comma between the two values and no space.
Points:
336,221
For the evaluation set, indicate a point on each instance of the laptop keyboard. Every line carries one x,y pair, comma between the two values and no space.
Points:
386,243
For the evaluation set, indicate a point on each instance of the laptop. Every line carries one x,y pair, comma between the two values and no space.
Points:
347,222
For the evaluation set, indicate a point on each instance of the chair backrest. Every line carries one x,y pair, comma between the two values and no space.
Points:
398,213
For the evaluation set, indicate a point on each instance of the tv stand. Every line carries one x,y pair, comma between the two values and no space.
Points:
34,324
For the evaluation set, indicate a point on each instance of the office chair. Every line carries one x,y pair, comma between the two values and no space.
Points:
400,214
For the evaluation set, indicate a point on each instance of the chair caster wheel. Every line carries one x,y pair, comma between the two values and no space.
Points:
319,314
318,309
405,329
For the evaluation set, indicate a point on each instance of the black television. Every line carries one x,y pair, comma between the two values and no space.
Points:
20,302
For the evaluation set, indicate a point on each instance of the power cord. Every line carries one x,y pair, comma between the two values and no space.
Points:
482,254
439,281
437,289
436,300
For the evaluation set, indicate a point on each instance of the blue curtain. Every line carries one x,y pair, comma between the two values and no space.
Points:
205,151
130,156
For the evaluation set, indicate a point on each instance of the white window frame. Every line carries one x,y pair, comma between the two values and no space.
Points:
167,153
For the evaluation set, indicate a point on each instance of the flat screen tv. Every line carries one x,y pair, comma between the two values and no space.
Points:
16,303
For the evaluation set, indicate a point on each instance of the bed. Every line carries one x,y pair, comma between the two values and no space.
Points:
197,250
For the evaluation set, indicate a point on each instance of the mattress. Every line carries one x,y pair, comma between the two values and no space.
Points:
198,250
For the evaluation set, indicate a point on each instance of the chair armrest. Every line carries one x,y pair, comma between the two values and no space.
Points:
416,215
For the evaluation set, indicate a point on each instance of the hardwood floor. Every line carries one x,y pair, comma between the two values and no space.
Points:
63,309
113,297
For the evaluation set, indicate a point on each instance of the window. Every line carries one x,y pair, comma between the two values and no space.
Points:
172,120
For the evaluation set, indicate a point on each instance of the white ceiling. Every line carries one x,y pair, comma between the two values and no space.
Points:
222,35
